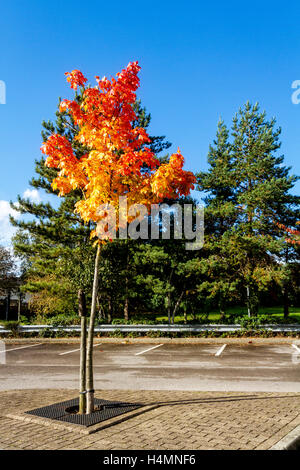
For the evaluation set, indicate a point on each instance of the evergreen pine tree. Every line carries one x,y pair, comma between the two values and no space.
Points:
251,189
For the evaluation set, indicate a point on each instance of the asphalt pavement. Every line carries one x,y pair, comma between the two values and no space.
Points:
253,367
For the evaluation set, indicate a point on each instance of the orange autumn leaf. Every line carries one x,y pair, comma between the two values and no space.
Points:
294,238
76,79
118,161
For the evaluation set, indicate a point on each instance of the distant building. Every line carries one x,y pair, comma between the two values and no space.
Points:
13,305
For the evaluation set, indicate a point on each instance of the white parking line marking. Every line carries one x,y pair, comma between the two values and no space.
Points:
74,350
296,347
22,347
154,347
219,352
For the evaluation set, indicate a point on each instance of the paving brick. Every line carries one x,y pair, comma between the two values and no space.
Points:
184,420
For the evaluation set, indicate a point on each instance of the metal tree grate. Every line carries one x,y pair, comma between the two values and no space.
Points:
108,410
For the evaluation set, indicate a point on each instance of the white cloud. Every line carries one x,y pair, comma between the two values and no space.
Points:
6,229
32,194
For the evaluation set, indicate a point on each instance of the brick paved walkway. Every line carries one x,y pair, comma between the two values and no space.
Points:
184,420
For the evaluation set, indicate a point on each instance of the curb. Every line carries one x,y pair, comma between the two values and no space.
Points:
147,340
290,442
59,425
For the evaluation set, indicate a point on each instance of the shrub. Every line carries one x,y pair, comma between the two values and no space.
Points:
47,333
13,326
63,320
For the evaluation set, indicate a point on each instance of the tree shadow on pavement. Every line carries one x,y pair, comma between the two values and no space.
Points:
220,399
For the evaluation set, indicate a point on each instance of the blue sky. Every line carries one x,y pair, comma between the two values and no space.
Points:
200,61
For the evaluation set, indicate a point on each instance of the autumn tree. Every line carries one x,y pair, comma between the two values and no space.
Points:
292,234
290,255
117,163
53,228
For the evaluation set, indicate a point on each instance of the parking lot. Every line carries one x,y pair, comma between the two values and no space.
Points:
251,366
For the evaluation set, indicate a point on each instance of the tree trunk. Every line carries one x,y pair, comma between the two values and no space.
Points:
248,301
221,310
185,315
82,374
285,302
169,302
7,309
19,306
169,307
176,306
109,313
286,290
126,305
89,356
100,312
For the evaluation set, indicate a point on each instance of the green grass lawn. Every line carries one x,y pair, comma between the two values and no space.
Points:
214,316
275,313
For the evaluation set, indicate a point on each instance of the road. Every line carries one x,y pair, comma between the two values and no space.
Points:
189,367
